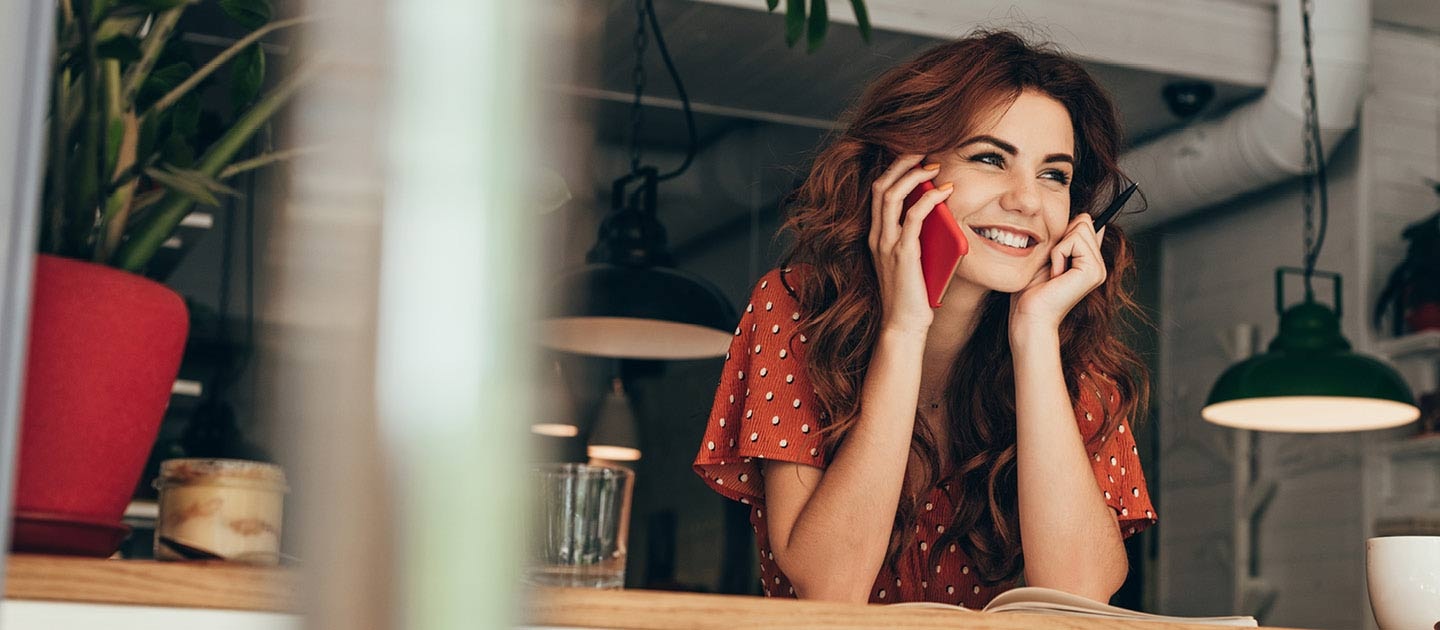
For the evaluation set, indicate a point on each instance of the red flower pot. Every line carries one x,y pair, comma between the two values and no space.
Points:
1423,317
105,346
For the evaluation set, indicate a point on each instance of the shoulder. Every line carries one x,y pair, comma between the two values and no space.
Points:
781,284
770,326
774,302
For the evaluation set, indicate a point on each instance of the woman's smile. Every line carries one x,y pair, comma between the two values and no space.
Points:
1005,241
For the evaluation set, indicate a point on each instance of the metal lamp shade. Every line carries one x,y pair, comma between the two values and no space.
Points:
625,312
1310,382
1305,392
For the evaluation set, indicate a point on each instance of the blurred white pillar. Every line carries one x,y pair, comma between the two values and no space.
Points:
458,293
318,279
26,48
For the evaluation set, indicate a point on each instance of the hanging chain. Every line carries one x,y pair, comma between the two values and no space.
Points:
1312,123
638,76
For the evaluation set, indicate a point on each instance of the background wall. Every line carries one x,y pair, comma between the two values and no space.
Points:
1217,272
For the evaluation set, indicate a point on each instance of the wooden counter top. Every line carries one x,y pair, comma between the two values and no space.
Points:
582,608
151,583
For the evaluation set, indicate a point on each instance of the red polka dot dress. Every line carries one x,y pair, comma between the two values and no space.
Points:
765,408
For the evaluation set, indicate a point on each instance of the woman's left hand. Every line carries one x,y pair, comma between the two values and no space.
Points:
1075,269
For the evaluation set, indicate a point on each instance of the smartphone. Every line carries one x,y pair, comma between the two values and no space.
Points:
942,245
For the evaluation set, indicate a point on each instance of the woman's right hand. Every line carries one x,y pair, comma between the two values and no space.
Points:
895,245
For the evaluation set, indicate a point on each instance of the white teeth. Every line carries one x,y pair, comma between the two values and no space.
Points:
1006,238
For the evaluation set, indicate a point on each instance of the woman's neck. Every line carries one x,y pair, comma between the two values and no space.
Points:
954,323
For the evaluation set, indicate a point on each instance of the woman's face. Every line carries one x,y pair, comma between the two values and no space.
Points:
1012,183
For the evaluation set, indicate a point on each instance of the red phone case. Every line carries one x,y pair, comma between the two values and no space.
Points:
942,244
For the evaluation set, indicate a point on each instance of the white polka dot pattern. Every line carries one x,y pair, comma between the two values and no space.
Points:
783,422
779,421
1115,462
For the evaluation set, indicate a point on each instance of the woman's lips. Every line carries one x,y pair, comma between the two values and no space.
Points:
1005,249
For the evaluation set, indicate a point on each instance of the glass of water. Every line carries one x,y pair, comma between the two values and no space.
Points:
582,519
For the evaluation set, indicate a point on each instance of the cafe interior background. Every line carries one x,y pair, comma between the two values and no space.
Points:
360,285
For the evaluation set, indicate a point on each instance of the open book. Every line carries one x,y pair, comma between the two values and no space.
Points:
1045,601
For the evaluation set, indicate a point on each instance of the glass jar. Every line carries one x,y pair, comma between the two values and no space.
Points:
220,509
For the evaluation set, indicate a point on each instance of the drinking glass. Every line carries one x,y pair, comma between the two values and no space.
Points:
579,529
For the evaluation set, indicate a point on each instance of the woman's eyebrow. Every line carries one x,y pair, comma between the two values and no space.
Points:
1010,148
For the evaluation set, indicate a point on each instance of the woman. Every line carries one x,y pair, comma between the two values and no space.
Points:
894,452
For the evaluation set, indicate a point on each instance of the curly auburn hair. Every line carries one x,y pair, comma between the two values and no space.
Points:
928,105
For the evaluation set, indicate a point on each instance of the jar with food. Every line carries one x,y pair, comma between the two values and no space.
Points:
220,509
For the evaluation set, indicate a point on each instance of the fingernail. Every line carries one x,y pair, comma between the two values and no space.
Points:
947,186
932,166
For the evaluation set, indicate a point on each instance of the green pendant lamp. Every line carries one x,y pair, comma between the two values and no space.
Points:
630,302
1308,380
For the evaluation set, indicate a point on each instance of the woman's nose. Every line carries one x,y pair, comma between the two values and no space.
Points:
1023,195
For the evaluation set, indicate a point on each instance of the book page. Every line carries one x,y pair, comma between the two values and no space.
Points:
1034,599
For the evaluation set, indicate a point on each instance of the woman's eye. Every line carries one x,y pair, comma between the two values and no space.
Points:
993,159
997,160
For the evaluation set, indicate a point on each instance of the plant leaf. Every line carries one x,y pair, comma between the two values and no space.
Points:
819,21
771,4
98,9
178,150
248,75
156,5
794,21
251,14
862,19
121,47
112,27
114,136
186,116
160,82
149,136
195,185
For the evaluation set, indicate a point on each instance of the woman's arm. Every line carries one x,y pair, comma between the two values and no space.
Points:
1070,537
830,529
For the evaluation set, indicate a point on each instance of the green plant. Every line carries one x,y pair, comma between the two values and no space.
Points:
813,25
130,150
1415,282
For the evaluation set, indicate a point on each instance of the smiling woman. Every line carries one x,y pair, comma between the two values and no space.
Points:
895,452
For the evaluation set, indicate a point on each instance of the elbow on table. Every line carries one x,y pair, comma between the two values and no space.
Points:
832,591
827,586
1099,584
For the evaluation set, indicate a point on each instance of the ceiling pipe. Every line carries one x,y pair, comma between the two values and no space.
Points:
1260,143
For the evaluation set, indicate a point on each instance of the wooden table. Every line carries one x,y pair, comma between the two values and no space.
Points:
581,608
149,583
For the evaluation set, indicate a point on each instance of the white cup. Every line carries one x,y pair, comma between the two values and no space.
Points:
1403,575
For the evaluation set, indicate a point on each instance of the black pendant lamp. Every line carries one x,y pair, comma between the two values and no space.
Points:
1308,380
629,301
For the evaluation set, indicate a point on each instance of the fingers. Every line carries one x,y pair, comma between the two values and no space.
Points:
888,195
894,201
1058,254
1079,248
915,216
898,168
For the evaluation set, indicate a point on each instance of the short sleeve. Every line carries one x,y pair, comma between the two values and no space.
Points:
1114,456
765,406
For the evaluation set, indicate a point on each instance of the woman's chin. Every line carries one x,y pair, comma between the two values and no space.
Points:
1008,284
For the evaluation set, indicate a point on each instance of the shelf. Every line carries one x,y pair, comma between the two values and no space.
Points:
150,583
1417,346
1420,445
